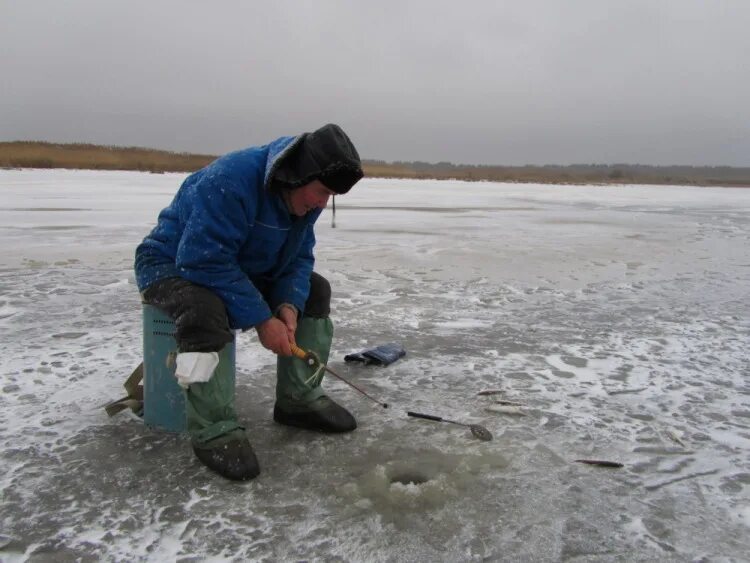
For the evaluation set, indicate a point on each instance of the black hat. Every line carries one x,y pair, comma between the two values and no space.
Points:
326,154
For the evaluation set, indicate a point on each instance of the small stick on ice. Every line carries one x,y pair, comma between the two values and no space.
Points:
600,462
508,403
675,437
678,479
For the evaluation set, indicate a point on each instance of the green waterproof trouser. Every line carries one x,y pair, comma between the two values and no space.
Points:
211,416
297,384
210,408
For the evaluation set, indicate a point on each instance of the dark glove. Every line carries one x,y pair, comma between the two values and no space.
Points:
382,355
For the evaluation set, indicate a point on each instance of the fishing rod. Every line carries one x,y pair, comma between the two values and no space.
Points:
312,360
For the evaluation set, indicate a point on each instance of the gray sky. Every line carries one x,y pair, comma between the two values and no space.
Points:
495,82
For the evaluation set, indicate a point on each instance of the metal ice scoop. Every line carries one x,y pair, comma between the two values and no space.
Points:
479,431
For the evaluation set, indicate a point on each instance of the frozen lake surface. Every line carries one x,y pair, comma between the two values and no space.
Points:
617,317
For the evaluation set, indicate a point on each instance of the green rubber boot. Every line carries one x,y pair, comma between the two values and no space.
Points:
300,401
218,440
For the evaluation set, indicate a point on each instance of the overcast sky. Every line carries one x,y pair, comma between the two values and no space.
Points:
495,82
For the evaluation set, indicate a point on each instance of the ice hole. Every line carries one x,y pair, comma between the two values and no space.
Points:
409,478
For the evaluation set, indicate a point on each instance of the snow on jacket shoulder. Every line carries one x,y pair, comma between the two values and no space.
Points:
227,231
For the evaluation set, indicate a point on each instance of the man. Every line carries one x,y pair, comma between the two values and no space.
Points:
234,250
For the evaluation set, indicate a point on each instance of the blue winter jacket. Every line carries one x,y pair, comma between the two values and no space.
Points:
226,230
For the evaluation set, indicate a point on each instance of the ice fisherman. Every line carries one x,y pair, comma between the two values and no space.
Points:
234,250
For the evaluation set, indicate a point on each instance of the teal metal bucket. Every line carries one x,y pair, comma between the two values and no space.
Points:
163,398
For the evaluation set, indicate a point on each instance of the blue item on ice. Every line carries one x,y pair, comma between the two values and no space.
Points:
382,355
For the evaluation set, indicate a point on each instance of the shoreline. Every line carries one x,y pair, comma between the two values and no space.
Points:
561,183
78,156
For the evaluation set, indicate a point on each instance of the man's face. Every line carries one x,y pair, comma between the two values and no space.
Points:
310,196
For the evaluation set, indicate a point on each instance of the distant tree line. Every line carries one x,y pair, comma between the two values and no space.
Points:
619,173
32,154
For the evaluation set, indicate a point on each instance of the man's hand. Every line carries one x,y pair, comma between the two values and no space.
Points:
274,335
288,315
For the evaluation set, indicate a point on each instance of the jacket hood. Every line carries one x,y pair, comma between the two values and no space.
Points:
326,154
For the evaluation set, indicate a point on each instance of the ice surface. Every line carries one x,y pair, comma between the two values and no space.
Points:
618,317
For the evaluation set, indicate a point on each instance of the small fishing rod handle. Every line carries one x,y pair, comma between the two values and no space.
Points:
298,352
426,416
